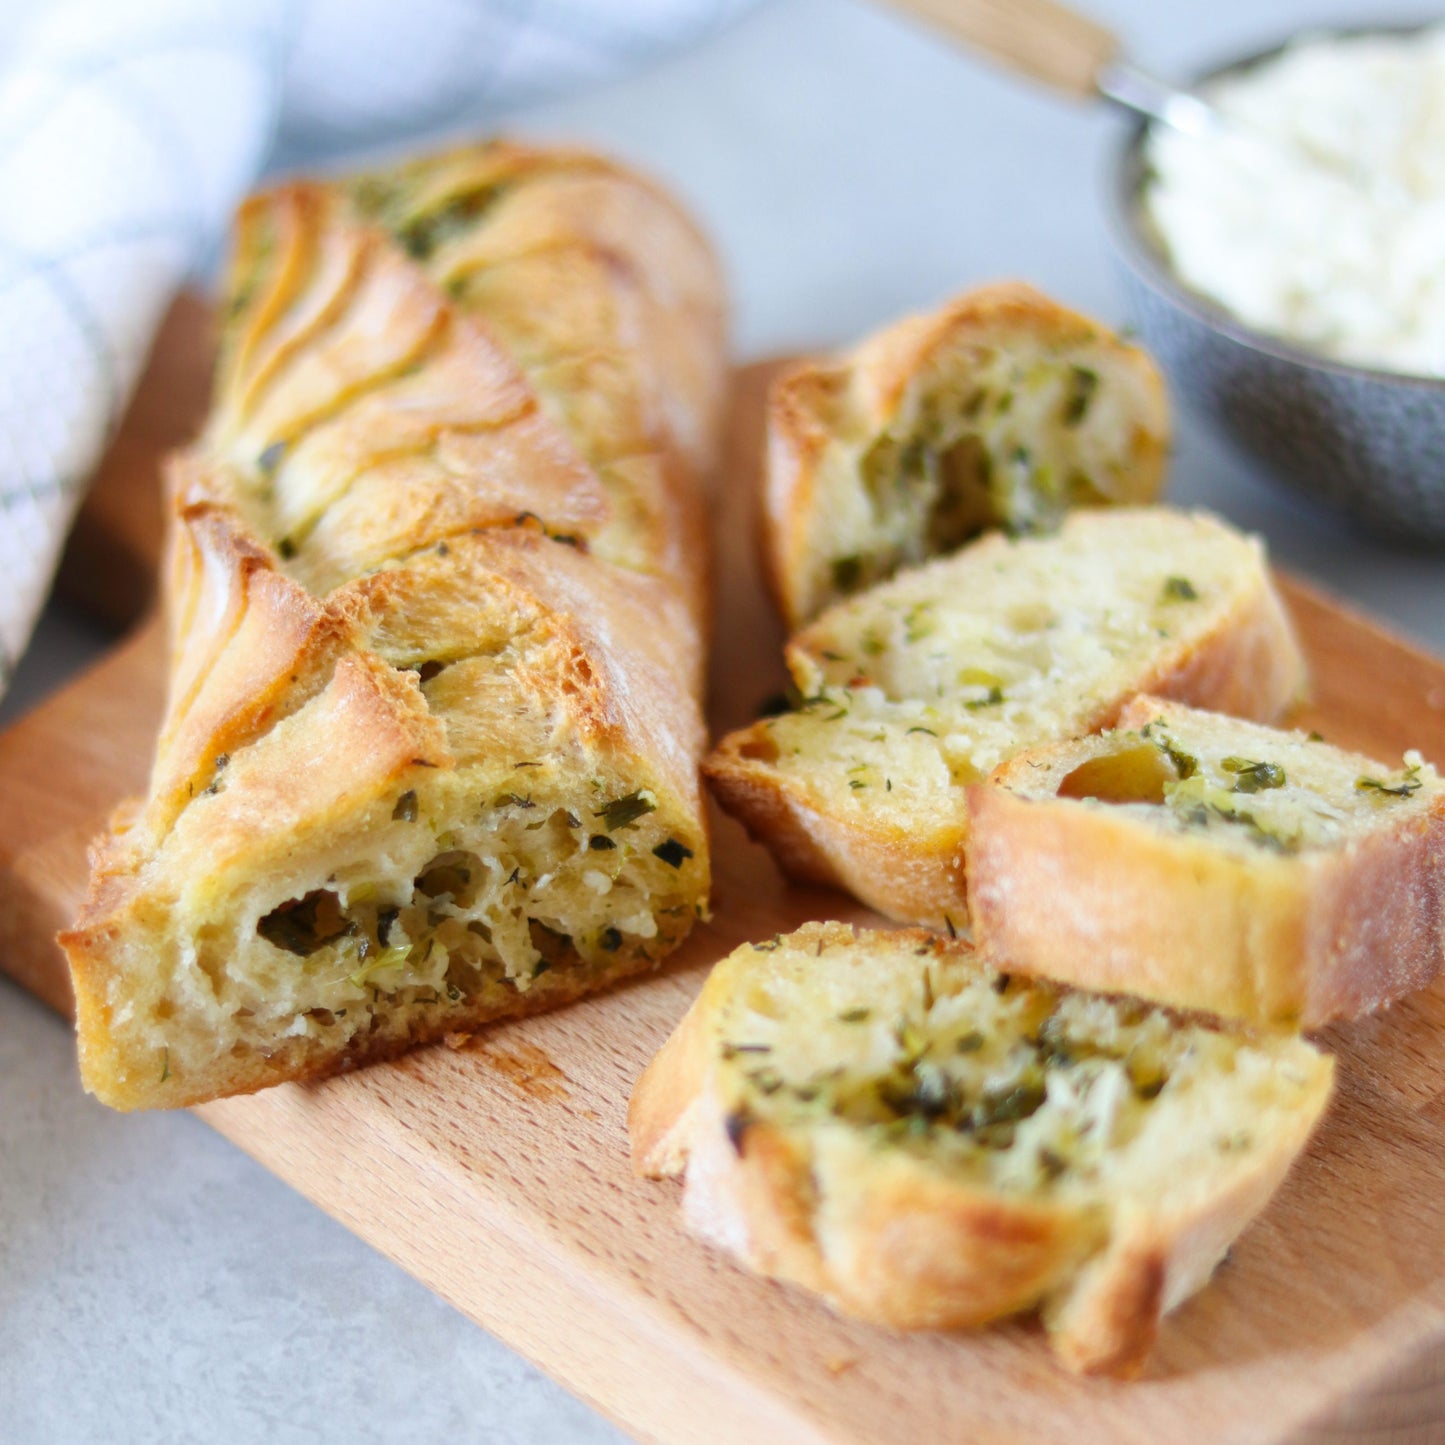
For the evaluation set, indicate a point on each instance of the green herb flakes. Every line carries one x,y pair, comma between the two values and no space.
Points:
731,1051
673,853
625,811
991,698
847,573
1185,764
304,925
1083,383
422,236
1406,785
1252,777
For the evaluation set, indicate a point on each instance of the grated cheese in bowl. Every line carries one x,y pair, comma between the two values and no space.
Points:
1318,215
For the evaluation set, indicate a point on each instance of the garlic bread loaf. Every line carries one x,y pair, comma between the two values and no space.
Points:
1001,409
435,593
1208,863
928,1143
925,684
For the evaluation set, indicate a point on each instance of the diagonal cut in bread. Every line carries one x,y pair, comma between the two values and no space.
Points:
1000,409
1208,863
930,1144
436,603
925,684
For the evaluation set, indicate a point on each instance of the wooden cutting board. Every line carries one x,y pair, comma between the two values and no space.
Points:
498,1173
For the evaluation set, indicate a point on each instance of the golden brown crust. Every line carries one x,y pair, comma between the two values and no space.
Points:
885,1234
923,1253
1247,662
911,874
669,1085
401,483
827,412
1108,1321
1100,898
248,647
1251,667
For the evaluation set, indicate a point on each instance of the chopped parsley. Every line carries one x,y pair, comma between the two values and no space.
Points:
847,573
1252,777
673,853
730,1051
1185,764
625,811
422,236
1405,786
991,698
304,925
1083,383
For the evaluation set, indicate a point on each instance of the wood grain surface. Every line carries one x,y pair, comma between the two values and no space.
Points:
498,1174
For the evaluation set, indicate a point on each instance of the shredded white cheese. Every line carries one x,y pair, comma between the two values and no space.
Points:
1319,215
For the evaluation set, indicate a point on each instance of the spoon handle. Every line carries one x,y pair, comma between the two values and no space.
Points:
1041,39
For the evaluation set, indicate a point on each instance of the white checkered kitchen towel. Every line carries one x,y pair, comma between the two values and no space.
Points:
130,128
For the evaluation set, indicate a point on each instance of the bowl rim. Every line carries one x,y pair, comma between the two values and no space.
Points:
1151,266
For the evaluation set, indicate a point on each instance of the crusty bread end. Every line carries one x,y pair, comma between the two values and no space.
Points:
928,1143
1208,863
1000,409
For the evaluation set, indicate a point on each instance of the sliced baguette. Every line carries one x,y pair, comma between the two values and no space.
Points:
927,683
882,1118
1213,864
1000,409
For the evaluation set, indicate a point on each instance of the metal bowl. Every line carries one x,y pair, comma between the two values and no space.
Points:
1369,443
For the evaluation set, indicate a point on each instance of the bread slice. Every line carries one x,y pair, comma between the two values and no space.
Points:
925,684
1208,863
928,1143
1000,409
436,600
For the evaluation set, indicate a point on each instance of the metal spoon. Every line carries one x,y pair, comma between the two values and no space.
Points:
1068,52
1076,56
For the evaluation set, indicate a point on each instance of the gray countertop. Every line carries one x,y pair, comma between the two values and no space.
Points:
157,1285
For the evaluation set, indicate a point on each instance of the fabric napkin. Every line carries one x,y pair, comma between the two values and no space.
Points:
129,129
